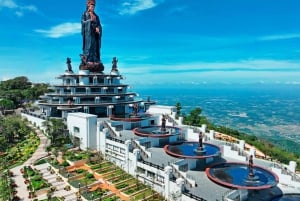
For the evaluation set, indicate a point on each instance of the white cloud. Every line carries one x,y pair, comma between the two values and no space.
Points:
243,65
29,8
8,4
131,7
17,8
61,30
280,37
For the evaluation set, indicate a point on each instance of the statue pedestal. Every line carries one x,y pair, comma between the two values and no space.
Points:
160,132
252,179
92,67
200,151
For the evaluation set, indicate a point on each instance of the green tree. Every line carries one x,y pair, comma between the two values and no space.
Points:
193,118
178,109
6,104
54,128
20,90
12,128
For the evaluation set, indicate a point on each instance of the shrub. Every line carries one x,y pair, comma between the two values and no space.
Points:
89,176
78,157
79,171
67,188
65,164
42,161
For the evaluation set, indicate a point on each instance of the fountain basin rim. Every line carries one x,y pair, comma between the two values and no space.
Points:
226,184
156,135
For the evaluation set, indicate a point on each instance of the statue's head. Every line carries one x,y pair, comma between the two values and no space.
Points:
91,2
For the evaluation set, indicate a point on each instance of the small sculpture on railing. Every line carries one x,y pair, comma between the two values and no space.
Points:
163,123
114,64
69,66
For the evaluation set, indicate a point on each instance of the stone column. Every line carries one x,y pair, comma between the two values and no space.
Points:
137,154
211,134
167,171
180,120
84,80
292,166
252,151
242,144
126,162
203,128
180,184
109,110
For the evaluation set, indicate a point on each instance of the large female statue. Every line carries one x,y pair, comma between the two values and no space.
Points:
91,31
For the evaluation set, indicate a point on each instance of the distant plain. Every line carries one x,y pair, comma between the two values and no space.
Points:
265,110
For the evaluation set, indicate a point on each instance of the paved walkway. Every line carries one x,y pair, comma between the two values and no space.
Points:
69,195
21,189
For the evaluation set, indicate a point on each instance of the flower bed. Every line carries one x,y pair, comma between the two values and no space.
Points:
82,181
21,151
125,183
36,180
90,195
114,174
114,198
134,188
120,178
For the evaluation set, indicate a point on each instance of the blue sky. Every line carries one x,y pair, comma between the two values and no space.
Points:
157,42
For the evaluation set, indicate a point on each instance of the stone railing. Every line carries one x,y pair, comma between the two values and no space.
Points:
111,130
179,174
138,146
152,165
286,171
195,197
170,119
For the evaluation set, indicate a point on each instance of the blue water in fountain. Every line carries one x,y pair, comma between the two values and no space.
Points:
188,149
238,175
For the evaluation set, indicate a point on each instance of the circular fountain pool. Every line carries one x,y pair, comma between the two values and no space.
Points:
236,175
191,150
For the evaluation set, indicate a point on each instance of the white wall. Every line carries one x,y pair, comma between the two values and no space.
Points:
87,125
34,120
161,109
227,152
